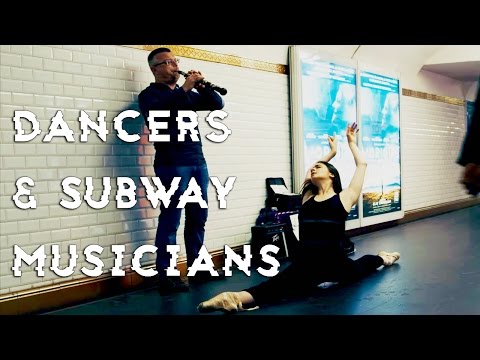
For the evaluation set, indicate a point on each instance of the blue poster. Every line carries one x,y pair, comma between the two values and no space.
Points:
329,104
470,105
380,129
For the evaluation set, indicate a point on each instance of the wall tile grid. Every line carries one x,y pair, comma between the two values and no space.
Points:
432,136
45,79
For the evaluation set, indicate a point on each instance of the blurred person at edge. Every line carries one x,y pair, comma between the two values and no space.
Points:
470,153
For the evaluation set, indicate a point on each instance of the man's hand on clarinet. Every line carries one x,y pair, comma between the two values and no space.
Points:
197,75
193,80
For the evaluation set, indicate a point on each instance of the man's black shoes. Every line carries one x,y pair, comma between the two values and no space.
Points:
205,276
171,285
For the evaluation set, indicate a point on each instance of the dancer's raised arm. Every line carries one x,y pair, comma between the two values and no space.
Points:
332,142
349,196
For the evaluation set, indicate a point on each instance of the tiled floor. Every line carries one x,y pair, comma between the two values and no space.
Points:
438,273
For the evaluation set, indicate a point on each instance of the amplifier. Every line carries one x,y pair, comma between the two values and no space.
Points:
269,234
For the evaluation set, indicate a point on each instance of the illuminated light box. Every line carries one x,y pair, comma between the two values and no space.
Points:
379,107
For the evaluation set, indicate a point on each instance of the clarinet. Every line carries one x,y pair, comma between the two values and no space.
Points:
208,84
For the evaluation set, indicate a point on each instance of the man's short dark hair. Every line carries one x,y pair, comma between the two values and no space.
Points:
157,51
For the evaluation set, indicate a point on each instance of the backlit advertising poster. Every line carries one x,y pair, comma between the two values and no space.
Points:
380,133
328,104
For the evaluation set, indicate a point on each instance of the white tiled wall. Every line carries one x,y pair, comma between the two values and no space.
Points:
432,136
44,79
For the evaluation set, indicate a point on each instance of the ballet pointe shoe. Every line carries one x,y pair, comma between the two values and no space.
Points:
226,302
389,258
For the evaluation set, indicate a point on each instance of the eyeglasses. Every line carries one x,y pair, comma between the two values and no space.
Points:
168,62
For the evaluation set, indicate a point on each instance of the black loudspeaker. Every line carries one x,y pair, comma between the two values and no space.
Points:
271,234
